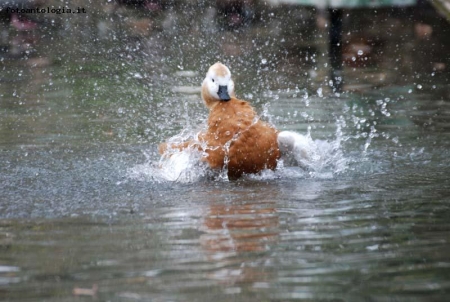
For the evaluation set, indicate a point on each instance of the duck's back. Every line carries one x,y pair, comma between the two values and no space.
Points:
235,130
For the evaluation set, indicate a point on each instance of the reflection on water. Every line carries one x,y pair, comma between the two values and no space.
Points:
235,229
85,214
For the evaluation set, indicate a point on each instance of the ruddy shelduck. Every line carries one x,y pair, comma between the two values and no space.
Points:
235,136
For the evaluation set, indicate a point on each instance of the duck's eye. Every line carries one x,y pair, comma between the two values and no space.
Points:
212,80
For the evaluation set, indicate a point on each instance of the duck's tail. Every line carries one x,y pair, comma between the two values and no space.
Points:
295,149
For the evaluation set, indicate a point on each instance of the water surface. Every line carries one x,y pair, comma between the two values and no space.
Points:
82,208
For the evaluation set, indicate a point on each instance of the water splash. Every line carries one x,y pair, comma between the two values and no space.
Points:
183,166
175,165
317,158
302,157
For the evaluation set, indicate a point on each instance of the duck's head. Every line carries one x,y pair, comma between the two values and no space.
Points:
217,85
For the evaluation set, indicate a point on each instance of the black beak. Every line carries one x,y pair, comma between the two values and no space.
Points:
223,93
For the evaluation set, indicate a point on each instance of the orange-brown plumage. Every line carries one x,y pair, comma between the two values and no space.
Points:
234,132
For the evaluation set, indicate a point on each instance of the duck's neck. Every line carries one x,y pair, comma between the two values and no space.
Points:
216,103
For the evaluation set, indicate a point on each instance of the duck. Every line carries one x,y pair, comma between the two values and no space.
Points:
235,137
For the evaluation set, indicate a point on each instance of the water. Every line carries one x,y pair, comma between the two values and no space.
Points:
86,212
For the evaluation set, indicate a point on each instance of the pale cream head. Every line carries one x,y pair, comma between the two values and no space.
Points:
217,85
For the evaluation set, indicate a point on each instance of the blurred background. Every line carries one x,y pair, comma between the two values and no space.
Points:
117,51
89,211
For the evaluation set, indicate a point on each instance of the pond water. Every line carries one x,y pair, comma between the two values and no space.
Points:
87,214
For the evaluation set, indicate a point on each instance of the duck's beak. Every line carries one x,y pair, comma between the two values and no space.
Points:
223,93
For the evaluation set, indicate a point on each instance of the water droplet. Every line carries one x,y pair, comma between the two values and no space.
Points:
353,59
360,52
263,61
419,86
319,92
